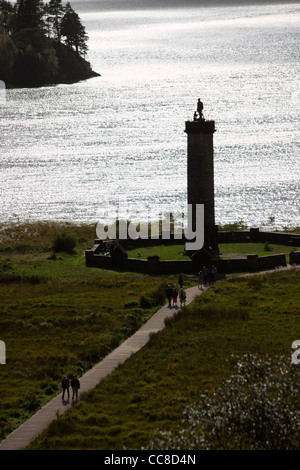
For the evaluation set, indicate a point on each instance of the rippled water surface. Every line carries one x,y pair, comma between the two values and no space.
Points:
67,151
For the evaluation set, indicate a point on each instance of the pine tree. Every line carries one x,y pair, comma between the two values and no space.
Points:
29,15
55,11
31,51
73,30
6,16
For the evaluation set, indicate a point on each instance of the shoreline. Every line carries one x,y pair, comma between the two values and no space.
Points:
47,85
222,227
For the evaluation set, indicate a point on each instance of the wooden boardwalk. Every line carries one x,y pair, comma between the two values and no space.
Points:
31,428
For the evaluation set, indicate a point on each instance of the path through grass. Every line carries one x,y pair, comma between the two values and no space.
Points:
59,317
200,347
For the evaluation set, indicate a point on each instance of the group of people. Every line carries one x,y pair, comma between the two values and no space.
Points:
207,276
75,384
172,293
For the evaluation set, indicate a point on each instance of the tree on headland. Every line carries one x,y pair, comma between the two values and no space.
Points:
41,43
73,30
6,17
55,12
29,15
8,53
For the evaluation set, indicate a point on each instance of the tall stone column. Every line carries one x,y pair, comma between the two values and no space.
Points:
200,174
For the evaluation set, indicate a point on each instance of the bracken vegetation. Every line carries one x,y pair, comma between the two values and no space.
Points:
57,316
217,377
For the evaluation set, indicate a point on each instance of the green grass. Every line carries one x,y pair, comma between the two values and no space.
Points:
57,316
165,252
244,249
176,252
199,348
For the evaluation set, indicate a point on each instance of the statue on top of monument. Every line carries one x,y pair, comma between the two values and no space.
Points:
200,109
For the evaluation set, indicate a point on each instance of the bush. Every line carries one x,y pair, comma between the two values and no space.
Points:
154,298
32,401
257,408
64,242
131,304
145,302
267,247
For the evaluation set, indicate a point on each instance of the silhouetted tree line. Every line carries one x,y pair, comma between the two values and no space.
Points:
41,43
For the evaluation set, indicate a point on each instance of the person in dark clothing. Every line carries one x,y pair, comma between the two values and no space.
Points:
175,296
182,297
213,274
205,273
200,280
75,387
200,108
169,292
65,386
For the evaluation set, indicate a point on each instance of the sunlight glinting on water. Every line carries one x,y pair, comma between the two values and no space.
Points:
67,151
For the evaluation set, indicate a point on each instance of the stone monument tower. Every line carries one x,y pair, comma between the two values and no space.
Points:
200,173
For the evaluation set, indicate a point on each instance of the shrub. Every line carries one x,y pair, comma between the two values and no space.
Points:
257,408
154,298
51,388
131,304
64,242
32,401
267,247
145,302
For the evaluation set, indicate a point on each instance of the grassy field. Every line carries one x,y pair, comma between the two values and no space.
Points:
57,316
261,249
245,323
176,252
165,252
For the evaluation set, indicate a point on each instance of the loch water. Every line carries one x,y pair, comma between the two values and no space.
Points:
68,151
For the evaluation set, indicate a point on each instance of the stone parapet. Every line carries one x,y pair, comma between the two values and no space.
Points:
196,127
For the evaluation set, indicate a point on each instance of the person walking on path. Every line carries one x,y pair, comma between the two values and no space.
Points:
200,280
213,274
205,273
169,292
175,295
182,297
65,386
75,384
180,281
